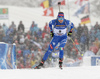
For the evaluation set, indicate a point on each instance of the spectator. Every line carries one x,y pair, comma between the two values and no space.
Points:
13,25
74,52
15,31
26,54
20,32
7,39
21,26
32,51
4,38
28,44
93,48
79,31
76,42
26,51
33,61
15,37
98,53
19,54
43,34
97,42
33,23
39,33
35,35
92,35
1,33
22,39
28,35
5,28
20,63
85,29
97,26
28,65
74,34
38,57
22,46
1,29
87,40
46,28
32,28
68,48
83,40
98,34
10,39
36,29
10,31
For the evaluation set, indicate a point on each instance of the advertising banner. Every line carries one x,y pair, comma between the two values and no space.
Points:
7,56
4,13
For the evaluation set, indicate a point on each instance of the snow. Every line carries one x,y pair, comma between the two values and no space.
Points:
84,72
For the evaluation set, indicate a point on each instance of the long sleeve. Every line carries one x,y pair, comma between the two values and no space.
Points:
70,25
50,25
52,22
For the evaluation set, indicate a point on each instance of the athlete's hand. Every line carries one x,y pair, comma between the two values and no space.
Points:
70,33
51,34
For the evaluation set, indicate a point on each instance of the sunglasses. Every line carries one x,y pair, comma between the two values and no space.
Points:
60,18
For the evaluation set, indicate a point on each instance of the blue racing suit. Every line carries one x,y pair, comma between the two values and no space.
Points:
60,36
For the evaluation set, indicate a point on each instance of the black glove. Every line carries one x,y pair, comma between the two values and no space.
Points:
70,33
52,34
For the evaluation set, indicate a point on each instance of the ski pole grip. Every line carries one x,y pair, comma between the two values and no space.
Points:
59,3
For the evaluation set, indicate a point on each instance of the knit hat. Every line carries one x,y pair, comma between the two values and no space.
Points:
60,14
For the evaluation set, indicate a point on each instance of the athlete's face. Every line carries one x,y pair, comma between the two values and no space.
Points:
60,19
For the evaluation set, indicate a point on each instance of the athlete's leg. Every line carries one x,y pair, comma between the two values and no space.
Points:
52,45
61,49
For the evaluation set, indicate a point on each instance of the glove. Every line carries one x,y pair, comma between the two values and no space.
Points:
52,34
70,33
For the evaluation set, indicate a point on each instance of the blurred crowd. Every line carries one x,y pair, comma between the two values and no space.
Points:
32,45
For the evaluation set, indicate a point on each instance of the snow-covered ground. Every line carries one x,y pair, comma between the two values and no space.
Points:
53,73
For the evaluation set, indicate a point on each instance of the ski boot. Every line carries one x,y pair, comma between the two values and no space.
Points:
40,65
60,63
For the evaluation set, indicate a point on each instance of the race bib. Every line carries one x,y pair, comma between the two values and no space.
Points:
59,31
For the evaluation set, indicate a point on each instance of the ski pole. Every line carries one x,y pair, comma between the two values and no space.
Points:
59,3
77,47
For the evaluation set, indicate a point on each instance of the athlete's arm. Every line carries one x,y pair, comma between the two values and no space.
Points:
70,26
50,25
52,22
